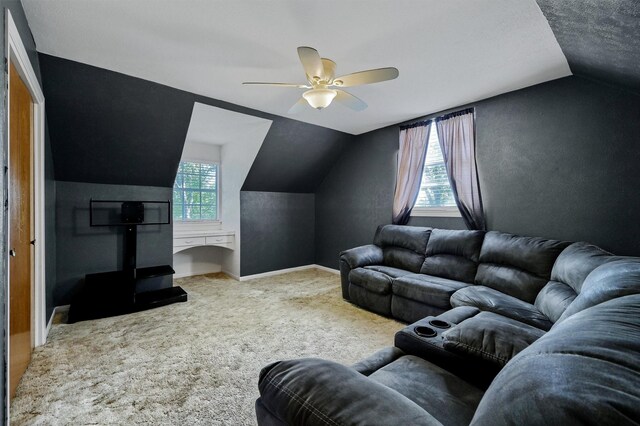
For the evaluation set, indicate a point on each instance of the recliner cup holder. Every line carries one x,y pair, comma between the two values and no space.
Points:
423,331
439,323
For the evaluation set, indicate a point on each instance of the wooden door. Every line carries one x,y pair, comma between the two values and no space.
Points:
20,229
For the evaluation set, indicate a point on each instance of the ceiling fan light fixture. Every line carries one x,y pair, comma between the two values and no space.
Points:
319,98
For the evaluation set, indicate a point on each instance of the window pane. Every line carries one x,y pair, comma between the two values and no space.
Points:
195,193
435,190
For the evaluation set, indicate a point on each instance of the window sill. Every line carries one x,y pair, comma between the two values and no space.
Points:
435,212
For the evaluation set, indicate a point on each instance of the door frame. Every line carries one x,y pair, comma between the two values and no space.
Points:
16,54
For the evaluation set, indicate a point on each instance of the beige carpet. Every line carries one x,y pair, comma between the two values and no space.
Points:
195,362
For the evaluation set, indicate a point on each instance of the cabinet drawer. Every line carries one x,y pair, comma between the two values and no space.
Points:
220,239
189,241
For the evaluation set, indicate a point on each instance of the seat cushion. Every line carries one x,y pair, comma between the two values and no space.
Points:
453,254
490,300
492,337
376,278
434,291
515,265
449,399
389,271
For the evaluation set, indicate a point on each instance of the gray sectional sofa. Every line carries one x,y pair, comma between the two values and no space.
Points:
506,330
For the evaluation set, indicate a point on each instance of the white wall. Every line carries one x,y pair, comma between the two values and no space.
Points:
198,151
236,160
233,140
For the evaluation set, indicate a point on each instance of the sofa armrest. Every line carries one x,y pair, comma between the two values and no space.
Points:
318,392
362,256
354,258
492,337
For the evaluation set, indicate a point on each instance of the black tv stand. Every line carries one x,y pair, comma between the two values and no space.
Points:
113,293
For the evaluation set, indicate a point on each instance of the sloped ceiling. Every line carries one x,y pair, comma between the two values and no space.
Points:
601,39
107,127
449,53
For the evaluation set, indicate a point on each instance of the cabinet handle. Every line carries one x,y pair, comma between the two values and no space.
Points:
188,241
12,253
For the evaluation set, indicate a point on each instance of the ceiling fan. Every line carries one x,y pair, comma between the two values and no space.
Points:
324,86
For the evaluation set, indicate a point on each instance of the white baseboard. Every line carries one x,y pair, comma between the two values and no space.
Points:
327,269
287,270
56,310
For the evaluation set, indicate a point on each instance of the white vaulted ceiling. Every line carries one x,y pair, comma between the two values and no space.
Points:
448,52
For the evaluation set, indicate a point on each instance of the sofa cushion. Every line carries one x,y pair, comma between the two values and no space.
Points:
373,281
453,254
608,281
517,266
403,247
449,399
388,270
569,271
577,261
554,298
490,336
490,300
434,291
585,371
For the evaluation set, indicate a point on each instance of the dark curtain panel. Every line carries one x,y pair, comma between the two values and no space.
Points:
411,156
458,143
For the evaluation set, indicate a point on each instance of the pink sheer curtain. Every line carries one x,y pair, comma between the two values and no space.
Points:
411,156
458,143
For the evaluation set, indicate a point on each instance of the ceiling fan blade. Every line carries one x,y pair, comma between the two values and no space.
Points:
298,106
311,62
348,100
366,77
299,86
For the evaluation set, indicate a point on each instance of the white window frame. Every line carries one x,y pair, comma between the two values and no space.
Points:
436,212
217,221
452,211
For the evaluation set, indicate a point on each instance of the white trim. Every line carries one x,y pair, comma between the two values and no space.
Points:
327,269
56,310
435,212
285,271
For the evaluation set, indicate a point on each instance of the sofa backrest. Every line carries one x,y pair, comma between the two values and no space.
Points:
584,371
570,270
453,254
403,247
608,281
515,265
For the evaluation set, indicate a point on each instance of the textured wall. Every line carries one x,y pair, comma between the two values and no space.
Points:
601,39
84,250
277,231
557,160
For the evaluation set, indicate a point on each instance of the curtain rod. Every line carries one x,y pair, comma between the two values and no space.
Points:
440,118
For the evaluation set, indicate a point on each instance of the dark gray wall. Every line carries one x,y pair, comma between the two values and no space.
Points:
25,34
108,127
83,249
277,231
601,39
557,160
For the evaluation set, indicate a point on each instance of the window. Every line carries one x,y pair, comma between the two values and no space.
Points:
435,197
195,192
